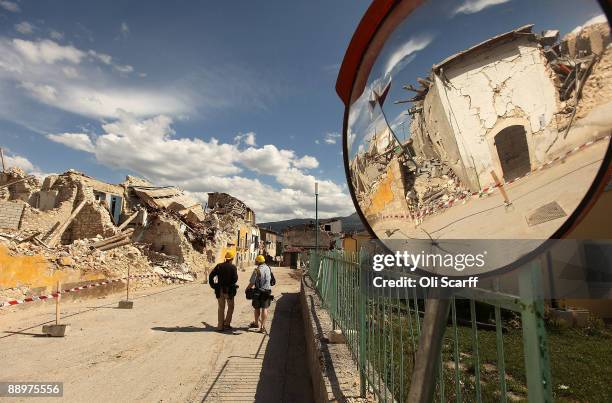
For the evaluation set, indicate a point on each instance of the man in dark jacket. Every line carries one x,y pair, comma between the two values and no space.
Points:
225,287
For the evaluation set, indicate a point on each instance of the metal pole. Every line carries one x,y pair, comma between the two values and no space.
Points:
430,346
57,303
317,217
127,288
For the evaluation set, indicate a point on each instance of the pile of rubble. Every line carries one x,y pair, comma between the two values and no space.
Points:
582,63
434,183
80,229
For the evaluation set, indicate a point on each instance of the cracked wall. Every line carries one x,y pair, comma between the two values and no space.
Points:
508,81
389,196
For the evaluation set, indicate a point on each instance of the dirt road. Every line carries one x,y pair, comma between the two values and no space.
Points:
165,349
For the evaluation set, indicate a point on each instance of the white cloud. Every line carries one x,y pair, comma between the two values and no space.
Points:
405,53
267,160
150,148
474,6
306,162
10,6
69,79
78,141
331,138
13,160
103,57
24,27
124,29
41,92
247,138
598,19
58,36
70,72
47,51
108,60
18,161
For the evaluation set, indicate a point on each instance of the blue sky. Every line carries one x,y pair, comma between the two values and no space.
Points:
126,87
210,96
442,28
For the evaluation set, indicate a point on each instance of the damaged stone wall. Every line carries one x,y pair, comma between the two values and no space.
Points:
93,220
389,194
45,221
510,80
166,236
434,138
20,186
303,236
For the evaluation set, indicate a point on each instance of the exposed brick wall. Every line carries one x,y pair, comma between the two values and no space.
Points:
165,236
10,214
93,220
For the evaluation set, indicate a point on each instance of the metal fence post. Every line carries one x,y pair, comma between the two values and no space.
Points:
537,365
362,296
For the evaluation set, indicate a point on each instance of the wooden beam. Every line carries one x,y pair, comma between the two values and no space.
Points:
57,234
113,238
115,245
129,220
30,237
12,183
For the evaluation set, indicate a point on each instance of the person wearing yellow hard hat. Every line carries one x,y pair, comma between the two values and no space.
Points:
223,279
260,292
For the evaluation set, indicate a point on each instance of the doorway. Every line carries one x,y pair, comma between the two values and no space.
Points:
116,204
513,152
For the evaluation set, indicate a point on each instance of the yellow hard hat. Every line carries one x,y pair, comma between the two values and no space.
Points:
260,259
229,255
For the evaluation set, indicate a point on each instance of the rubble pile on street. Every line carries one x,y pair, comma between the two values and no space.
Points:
82,229
434,183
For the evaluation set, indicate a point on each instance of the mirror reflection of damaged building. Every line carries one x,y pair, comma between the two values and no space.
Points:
498,112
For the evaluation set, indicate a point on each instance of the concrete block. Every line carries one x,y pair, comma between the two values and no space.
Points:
55,330
126,304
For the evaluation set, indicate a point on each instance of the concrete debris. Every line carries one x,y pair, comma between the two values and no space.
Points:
79,228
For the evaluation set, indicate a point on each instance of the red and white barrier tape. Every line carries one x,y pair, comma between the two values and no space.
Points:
75,289
489,189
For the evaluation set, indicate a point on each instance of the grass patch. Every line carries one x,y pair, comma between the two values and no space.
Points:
580,360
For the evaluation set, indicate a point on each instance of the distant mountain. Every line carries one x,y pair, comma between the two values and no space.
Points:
349,224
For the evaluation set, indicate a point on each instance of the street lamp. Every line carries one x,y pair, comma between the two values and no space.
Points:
317,218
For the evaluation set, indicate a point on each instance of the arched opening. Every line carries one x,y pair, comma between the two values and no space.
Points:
513,152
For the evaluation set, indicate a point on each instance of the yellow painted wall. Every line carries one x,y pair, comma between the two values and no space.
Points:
383,194
34,272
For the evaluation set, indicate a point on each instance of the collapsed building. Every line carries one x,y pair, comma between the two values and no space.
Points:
505,105
90,227
297,240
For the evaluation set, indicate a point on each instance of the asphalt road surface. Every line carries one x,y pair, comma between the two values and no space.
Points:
166,349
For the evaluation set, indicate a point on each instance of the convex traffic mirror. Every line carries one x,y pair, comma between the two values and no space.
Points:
473,120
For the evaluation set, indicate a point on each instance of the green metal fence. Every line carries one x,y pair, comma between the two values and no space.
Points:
382,330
